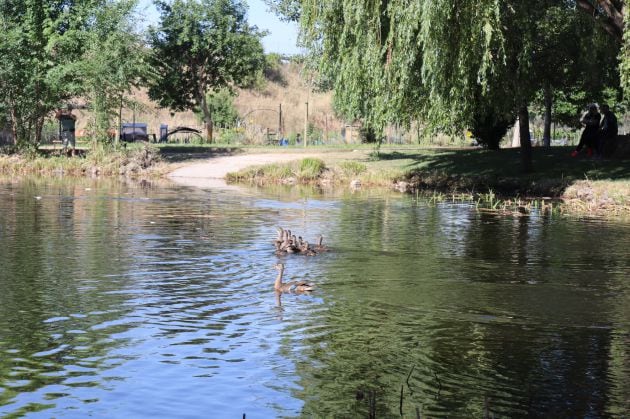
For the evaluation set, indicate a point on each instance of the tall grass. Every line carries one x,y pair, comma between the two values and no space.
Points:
100,160
309,169
303,171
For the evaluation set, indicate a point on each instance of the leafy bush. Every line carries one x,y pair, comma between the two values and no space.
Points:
221,102
231,136
273,69
310,168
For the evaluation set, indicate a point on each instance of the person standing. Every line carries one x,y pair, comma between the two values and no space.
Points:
608,130
590,119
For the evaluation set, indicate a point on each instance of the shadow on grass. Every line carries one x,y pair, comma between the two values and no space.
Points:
180,153
478,169
554,162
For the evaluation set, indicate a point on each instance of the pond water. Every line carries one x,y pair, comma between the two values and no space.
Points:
137,300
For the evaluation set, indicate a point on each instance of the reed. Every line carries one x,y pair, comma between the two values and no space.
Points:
310,169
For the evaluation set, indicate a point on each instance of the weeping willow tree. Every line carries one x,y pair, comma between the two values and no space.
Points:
447,63
440,62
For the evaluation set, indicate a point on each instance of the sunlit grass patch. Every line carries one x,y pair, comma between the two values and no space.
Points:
611,197
305,170
352,168
99,160
309,168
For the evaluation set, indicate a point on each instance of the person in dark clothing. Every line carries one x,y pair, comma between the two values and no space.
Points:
607,131
590,120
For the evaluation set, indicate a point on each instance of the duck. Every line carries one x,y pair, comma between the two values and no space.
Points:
319,247
305,249
293,286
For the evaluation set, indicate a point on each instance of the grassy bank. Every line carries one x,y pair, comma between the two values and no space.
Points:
137,160
586,185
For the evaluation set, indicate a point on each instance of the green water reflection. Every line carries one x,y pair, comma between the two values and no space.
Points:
132,299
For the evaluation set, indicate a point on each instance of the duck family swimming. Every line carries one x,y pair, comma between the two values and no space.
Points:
286,242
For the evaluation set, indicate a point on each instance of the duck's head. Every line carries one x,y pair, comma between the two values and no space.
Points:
279,266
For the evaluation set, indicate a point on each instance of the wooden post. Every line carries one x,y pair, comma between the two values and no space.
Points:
279,121
306,125
133,135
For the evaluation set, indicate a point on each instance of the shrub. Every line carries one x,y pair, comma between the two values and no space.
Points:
231,136
310,168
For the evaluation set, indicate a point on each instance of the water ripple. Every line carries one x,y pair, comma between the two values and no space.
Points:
159,302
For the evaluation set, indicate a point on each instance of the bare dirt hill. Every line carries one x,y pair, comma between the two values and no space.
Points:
259,107
290,90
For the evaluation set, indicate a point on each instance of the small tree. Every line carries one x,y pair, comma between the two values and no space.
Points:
37,40
221,104
114,61
201,46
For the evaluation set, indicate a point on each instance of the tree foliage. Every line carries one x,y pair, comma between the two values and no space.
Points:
577,64
35,40
55,50
447,63
199,46
114,61
221,101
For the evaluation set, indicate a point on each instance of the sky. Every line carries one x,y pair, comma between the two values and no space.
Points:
282,36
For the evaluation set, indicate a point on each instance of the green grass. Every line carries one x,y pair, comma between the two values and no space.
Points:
475,173
310,168
352,168
108,161
472,172
306,171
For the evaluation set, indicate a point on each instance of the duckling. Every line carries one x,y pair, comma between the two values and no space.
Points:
319,247
292,246
278,241
306,250
286,242
293,286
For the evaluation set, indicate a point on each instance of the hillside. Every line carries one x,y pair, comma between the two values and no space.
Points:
259,107
287,88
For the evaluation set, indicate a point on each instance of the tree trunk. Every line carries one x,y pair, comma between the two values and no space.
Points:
207,116
39,127
548,104
526,145
101,118
119,125
14,126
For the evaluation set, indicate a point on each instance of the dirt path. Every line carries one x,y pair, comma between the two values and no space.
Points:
214,169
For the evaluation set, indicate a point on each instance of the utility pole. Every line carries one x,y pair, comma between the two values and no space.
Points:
133,133
306,126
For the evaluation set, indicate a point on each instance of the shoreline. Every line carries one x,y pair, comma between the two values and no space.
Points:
344,168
